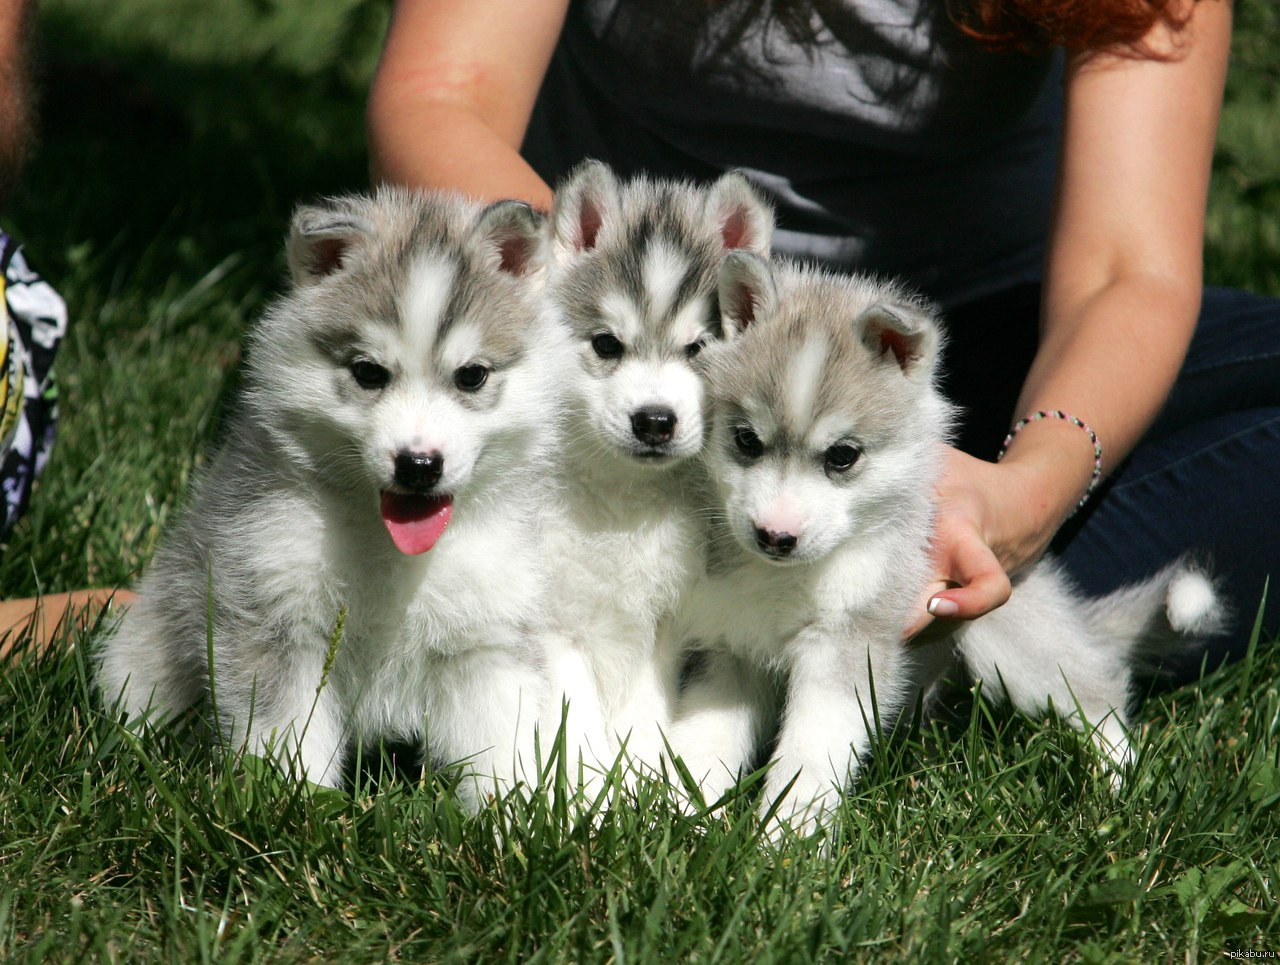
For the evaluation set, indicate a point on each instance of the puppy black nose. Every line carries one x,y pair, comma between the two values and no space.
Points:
653,425
418,471
775,544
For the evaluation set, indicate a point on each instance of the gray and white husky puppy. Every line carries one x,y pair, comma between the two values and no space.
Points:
635,283
384,462
825,438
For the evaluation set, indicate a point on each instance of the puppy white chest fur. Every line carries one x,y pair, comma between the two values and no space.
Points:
756,608
629,549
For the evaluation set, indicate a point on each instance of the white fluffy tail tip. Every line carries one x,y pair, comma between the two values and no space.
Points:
1193,605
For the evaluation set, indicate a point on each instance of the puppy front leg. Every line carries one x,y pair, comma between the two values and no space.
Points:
483,712
827,724
722,718
575,704
281,708
643,718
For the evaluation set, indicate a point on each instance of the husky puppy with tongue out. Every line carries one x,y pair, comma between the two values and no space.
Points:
363,552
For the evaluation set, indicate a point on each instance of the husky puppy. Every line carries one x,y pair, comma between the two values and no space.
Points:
363,548
634,282
824,443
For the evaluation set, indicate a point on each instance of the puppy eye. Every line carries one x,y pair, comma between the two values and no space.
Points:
607,346
693,348
469,378
369,375
841,457
748,442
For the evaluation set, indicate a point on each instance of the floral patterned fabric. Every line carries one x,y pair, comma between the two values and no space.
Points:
35,320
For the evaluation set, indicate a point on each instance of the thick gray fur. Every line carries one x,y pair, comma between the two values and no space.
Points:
283,531
803,646
635,261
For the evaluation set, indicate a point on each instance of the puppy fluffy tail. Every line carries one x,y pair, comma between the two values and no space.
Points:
1163,615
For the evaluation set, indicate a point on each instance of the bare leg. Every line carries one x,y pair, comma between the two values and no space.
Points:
43,616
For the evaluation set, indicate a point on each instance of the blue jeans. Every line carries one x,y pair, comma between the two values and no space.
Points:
1204,479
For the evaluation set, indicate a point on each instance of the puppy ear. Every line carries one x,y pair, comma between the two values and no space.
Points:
743,217
514,233
746,291
906,334
586,206
321,239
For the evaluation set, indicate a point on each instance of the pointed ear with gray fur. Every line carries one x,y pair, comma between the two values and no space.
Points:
904,334
744,218
321,239
746,291
514,234
586,207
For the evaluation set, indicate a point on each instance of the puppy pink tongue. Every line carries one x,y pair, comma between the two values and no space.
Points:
415,522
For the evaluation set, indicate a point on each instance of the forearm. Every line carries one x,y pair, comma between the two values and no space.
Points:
454,91
15,24
1123,279
16,122
1107,359
477,161
1110,361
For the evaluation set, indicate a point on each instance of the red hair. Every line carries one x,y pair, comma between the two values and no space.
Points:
1077,25
1027,26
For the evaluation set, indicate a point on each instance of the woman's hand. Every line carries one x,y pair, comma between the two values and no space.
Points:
992,521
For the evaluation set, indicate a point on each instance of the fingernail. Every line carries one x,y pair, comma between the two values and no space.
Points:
940,606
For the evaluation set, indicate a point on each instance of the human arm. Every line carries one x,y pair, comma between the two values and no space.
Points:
1122,292
16,110
454,91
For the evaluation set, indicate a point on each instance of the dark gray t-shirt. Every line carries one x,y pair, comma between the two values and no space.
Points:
888,141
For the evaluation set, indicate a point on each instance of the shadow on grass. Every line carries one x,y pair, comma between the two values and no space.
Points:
137,145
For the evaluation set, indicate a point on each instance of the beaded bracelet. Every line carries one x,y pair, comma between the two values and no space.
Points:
1095,479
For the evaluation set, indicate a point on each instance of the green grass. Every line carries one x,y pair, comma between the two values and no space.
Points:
985,837
177,137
